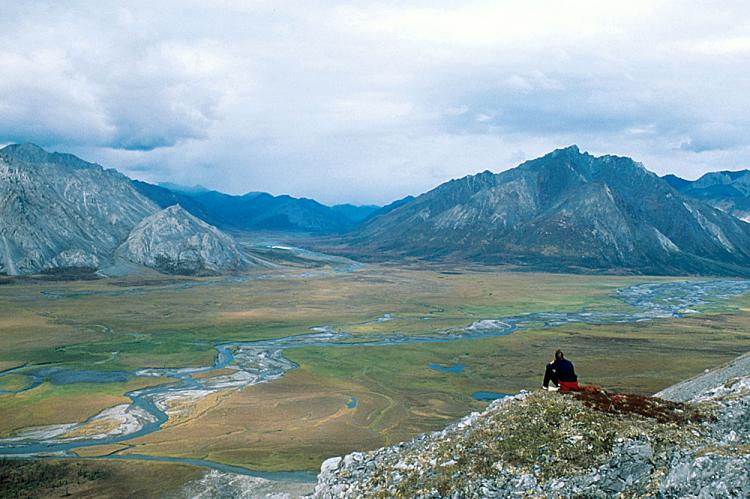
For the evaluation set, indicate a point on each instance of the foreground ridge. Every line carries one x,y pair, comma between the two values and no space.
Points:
593,443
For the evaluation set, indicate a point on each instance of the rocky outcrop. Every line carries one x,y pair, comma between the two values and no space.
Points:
553,445
174,241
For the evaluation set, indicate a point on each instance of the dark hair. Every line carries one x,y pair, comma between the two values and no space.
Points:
559,355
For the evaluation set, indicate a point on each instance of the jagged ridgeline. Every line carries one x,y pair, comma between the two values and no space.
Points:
566,210
59,211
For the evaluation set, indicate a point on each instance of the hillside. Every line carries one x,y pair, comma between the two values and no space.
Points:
566,210
727,191
591,444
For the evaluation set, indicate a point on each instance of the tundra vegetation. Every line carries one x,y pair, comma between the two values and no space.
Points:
297,421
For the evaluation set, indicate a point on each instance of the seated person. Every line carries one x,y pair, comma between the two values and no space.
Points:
561,373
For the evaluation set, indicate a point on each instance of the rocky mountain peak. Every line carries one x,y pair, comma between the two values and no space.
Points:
566,209
176,211
27,151
33,154
570,151
60,211
586,166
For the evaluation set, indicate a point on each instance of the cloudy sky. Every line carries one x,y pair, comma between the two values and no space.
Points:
369,101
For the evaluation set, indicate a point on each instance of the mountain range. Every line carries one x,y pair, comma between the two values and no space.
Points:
566,210
58,211
727,191
258,210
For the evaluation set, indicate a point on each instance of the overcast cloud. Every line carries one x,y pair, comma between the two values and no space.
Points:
369,101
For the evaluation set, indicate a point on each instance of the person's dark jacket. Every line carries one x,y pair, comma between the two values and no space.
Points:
559,370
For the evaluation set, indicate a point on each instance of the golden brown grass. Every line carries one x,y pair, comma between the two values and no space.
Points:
49,404
292,423
295,422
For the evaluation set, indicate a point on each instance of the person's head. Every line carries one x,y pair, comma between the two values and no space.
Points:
559,355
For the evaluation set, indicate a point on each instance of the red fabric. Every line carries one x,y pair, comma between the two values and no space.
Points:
569,386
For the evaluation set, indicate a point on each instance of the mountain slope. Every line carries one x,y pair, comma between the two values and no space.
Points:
175,242
727,191
60,211
355,213
566,210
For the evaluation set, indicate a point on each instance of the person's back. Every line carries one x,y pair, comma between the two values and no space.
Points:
561,372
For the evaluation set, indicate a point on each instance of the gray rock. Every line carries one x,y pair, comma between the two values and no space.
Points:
60,211
75,258
691,388
174,241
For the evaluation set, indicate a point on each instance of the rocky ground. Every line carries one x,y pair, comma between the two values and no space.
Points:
693,442
218,484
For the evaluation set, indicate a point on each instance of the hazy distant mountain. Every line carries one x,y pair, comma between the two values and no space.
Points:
259,210
187,189
354,214
390,207
727,191
262,211
676,182
175,242
58,211
165,198
566,210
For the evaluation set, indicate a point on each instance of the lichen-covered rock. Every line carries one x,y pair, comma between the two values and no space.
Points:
174,241
552,445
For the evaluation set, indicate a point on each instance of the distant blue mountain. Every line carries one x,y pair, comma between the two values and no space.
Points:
676,182
186,189
725,190
355,213
257,210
